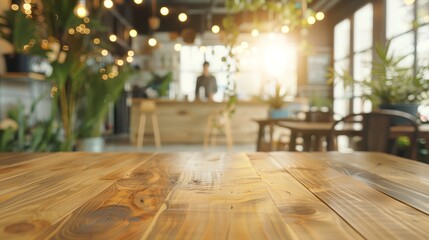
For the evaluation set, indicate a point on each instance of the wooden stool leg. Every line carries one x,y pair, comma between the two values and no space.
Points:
228,133
208,132
156,130
214,132
140,134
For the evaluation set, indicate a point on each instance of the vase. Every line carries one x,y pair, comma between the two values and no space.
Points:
279,113
411,108
94,144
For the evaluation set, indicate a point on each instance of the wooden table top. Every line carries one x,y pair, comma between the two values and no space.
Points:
213,196
325,128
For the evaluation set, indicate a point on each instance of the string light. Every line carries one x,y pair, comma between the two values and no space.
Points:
120,62
131,53
164,11
255,32
285,29
215,29
152,42
113,38
15,7
96,41
178,47
138,1
320,16
108,3
130,59
104,52
80,9
311,20
133,33
183,17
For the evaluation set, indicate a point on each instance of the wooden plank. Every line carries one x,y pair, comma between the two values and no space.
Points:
404,180
7,159
126,208
373,214
59,186
219,196
304,213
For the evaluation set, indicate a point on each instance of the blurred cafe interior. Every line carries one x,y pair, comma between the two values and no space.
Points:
214,119
208,75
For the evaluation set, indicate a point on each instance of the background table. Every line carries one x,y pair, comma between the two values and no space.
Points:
213,196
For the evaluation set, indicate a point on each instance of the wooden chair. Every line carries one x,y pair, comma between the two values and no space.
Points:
218,124
374,130
148,107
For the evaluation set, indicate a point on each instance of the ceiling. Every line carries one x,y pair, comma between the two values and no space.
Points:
202,14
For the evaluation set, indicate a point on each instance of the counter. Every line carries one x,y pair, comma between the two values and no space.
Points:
185,122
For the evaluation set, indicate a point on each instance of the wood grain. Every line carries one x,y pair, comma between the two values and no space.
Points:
404,180
220,196
45,190
373,214
212,196
305,215
127,207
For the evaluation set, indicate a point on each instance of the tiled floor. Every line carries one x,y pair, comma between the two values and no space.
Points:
121,144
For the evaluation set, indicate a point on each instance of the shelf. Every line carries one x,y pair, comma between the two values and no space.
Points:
22,75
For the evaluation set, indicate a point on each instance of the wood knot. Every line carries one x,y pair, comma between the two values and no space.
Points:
26,227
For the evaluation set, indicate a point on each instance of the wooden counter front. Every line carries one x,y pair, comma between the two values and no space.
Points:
185,122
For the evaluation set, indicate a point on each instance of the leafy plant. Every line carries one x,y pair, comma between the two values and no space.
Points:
390,82
276,100
23,135
98,95
161,83
67,41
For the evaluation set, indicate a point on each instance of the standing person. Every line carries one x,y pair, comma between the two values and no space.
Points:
207,82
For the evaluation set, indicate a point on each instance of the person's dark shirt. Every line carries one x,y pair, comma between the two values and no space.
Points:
209,84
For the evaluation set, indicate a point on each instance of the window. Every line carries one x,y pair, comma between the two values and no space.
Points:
354,56
264,61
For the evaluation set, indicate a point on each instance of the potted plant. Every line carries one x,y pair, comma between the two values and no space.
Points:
67,40
98,94
391,85
18,60
276,102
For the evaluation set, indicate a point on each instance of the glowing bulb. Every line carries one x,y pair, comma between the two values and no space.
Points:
152,42
131,53
203,49
120,62
215,29
164,11
113,38
108,3
255,33
178,47
130,59
320,16
96,41
133,33
104,52
105,77
80,9
285,29
138,1
311,20
183,17
15,7
409,2
26,6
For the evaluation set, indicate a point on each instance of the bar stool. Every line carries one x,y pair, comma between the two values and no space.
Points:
148,107
218,121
